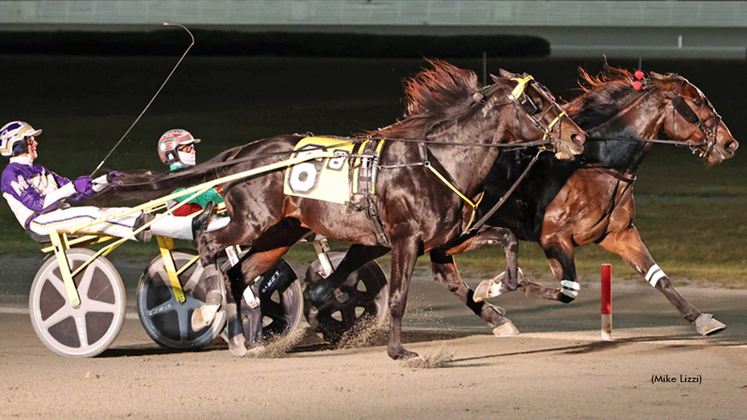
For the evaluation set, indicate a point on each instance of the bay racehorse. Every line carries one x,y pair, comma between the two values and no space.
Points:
430,173
566,204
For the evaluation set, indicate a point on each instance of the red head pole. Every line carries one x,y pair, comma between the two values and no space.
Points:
606,302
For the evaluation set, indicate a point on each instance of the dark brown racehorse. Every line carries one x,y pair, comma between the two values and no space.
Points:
565,204
449,125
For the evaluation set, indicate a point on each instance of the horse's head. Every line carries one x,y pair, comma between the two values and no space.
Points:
538,115
694,118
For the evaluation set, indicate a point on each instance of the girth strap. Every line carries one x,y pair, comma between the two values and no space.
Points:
364,169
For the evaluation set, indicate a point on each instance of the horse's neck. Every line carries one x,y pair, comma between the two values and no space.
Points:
642,119
467,166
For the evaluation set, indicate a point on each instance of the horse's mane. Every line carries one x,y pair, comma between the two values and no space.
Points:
604,95
433,96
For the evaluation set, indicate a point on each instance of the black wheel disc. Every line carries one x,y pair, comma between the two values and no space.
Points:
282,307
362,298
167,321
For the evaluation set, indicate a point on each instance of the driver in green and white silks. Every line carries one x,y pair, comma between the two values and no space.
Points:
176,148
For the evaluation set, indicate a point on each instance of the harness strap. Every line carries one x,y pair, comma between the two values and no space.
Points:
503,199
552,124
450,185
363,185
612,173
519,89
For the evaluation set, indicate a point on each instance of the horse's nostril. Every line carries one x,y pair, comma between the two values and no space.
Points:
579,138
731,146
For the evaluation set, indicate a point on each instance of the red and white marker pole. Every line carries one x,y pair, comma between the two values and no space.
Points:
606,302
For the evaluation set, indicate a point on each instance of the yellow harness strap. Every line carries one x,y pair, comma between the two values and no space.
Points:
552,124
459,193
378,153
451,186
519,89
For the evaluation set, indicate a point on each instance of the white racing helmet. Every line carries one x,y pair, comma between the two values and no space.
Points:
169,143
13,138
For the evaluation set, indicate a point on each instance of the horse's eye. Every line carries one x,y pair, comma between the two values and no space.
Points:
697,103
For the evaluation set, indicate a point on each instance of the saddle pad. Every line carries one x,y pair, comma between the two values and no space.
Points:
325,179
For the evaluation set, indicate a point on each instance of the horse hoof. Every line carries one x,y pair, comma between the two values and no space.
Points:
203,316
256,351
706,324
320,294
506,330
488,289
402,354
237,346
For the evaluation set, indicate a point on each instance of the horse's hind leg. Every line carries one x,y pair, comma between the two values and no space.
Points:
210,245
265,252
357,256
628,244
445,272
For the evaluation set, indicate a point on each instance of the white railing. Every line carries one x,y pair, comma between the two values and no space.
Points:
722,14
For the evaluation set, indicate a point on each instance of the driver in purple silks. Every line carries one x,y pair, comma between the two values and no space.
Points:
36,195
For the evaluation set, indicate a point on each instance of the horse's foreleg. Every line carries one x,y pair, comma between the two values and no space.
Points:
495,235
628,244
445,272
560,254
404,254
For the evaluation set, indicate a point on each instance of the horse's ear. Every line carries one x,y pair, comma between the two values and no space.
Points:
664,81
507,74
495,78
657,76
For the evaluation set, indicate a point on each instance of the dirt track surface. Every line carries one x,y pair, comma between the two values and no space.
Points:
557,367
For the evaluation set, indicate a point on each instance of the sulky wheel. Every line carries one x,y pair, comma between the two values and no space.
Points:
167,321
281,302
93,326
364,296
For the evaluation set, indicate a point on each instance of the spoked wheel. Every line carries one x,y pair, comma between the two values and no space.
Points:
167,321
363,298
281,300
92,327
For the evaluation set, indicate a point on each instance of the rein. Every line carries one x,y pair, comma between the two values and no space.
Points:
233,162
503,199
678,143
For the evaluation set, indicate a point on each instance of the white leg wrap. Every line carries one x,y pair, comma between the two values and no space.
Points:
570,288
173,227
655,273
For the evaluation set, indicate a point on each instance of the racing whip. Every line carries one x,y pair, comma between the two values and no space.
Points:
151,99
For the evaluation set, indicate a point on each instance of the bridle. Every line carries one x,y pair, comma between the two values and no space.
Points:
709,132
524,102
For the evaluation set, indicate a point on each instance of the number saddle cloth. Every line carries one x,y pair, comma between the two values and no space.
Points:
348,179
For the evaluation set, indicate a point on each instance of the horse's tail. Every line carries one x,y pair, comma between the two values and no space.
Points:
146,186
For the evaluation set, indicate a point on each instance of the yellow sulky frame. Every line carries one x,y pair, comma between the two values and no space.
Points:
61,242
